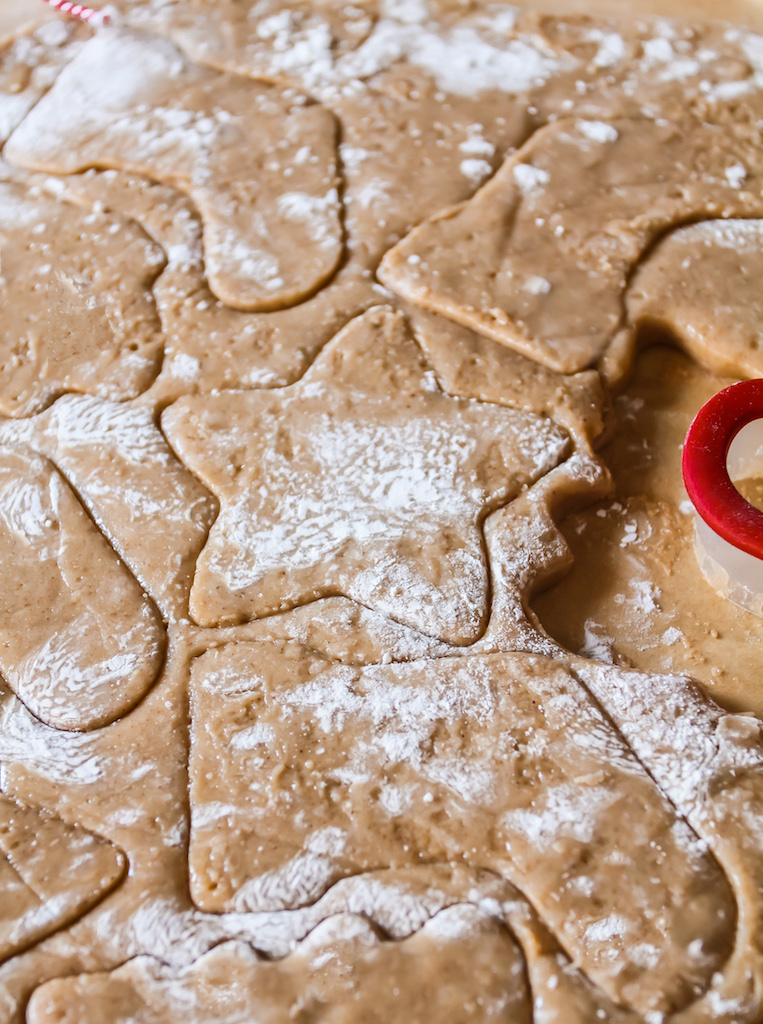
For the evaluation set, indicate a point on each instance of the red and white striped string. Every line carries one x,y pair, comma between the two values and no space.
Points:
91,15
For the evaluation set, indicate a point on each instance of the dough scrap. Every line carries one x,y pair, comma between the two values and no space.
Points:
460,962
260,164
702,284
710,765
539,259
78,314
211,346
362,479
153,512
344,631
598,67
651,607
80,643
103,778
708,762
647,67
50,874
302,773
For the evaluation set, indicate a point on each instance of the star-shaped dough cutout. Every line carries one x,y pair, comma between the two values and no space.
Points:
363,479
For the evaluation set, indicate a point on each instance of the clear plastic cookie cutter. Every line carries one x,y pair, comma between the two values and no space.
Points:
725,444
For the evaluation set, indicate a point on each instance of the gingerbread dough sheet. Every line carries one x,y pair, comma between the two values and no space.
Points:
153,512
652,608
289,41
312,315
29,64
700,284
207,343
401,127
471,757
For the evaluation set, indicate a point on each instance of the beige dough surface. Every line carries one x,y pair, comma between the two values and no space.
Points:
355,665
31,60
154,513
395,765
251,349
699,285
50,873
635,594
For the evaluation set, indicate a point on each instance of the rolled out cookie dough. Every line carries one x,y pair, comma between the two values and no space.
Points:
626,811
208,344
650,607
400,128
539,259
286,41
30,63
471,366
260,164
153,512
363,479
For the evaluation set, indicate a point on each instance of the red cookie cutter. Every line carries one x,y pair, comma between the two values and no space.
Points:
728,529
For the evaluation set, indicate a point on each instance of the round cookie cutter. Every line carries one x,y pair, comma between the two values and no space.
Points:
725,443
